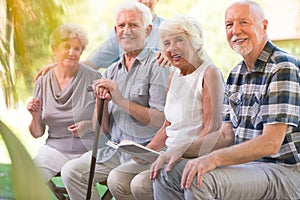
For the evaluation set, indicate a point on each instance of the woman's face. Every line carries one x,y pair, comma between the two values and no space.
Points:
68,53
178,49
150,3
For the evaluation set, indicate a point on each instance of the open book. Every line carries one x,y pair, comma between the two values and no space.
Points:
134,149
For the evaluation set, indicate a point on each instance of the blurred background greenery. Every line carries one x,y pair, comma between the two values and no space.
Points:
27,24
25,27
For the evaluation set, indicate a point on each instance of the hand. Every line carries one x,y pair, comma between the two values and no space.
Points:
100,91
34,106
195,166
81,128
171,157
162,60
44,70
108,89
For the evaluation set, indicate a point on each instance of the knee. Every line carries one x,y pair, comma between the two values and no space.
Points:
68,172
141,186
136,185
114,181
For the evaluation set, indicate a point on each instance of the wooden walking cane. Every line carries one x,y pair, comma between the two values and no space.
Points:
99,105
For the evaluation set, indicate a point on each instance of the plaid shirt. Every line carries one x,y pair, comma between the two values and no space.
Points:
269,94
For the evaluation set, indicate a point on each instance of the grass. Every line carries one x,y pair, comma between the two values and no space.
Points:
5,182
6,189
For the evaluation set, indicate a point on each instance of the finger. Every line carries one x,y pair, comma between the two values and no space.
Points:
37,75
158,55
105,94
186,174
190,178
160,60
108,96
171,164
164,62
153,171
156,167
199,179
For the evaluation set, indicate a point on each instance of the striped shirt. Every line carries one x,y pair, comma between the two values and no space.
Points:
268,94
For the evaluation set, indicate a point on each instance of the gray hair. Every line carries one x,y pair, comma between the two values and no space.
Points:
187,25
68,31
135,6
254,7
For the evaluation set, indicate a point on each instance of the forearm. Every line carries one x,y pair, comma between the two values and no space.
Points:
36,127
90,64
218,139
264,145
159,140
148,116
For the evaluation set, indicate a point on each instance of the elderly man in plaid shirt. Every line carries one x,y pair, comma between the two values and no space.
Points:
262,104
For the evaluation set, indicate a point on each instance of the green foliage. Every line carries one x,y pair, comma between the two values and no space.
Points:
24,40
5,182
26,26
26,180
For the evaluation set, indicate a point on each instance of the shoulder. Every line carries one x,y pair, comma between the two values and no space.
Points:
157,21
111,71
89,71
44,78
282,58
147,58
212,72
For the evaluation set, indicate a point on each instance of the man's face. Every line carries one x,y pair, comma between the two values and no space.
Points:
244,29
130,30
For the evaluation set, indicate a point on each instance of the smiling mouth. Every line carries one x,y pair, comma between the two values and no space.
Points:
127,38
239,40
177,56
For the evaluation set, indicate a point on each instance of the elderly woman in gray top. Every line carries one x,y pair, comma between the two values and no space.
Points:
61,102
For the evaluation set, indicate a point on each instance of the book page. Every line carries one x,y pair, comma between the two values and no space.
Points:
135,149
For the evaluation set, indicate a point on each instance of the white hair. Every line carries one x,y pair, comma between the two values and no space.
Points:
187,25
135,6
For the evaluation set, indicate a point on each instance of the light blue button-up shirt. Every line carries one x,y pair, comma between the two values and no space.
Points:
144,84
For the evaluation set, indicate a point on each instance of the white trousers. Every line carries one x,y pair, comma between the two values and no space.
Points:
50,161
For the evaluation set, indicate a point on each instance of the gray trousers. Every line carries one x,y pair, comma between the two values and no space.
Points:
255,180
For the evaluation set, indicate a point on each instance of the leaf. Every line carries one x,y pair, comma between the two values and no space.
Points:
26,179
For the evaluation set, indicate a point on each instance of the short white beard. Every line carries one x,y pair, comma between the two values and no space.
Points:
243,51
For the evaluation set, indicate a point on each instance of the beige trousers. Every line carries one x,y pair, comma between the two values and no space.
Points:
130,181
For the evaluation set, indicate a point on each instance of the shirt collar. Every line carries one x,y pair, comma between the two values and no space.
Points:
262,60
141,58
